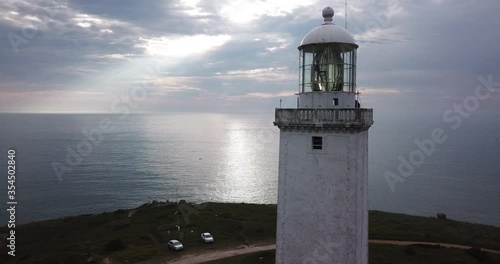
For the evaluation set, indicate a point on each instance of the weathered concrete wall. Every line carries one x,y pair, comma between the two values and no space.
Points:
320,100
322,198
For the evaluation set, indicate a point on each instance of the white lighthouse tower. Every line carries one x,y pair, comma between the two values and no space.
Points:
323,166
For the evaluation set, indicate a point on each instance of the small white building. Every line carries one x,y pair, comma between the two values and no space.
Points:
323,165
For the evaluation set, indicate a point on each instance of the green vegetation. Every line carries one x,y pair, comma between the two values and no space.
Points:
142,233
390,226
389,254
392,254
264,257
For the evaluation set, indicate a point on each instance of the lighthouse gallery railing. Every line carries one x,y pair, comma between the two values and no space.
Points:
323,117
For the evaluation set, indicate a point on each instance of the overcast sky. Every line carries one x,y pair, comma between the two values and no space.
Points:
235,55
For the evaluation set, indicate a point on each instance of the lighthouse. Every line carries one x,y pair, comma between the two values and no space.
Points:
323,157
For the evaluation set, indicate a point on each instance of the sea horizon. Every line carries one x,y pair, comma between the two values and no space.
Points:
232,157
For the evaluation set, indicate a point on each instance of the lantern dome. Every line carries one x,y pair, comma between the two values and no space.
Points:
328,32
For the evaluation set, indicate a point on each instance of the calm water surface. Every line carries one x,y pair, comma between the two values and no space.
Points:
234,158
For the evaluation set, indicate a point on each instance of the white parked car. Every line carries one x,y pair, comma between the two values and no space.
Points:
175,245
207,238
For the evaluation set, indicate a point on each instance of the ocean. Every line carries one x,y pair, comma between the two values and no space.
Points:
125,161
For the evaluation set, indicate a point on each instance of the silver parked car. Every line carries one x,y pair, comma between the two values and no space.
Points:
207,237
175,245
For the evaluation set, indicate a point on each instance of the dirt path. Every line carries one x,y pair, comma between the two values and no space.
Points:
404,243
197,259
222,254
212,255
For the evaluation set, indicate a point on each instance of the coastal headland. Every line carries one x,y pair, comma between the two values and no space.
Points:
140,235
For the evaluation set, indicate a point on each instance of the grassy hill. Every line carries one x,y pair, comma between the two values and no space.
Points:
389,254
142,233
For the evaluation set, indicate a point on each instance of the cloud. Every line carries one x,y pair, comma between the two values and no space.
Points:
260,74
378,91
241,51
182,46
269,95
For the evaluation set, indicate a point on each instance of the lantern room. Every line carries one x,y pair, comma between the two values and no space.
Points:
328,64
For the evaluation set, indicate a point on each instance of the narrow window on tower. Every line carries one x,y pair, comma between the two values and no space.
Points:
317,142
335,101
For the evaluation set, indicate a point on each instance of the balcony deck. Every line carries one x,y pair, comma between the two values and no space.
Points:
329,118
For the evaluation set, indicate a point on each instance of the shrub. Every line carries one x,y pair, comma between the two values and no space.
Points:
409,251
115,245
477,253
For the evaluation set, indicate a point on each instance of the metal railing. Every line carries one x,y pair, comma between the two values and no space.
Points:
324,117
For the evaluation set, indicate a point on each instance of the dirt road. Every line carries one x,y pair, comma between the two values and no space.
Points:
222,254
209,256
404,243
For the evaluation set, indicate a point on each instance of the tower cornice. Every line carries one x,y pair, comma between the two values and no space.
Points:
324,119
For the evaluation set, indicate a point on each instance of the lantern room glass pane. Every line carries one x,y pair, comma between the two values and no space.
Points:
327,67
